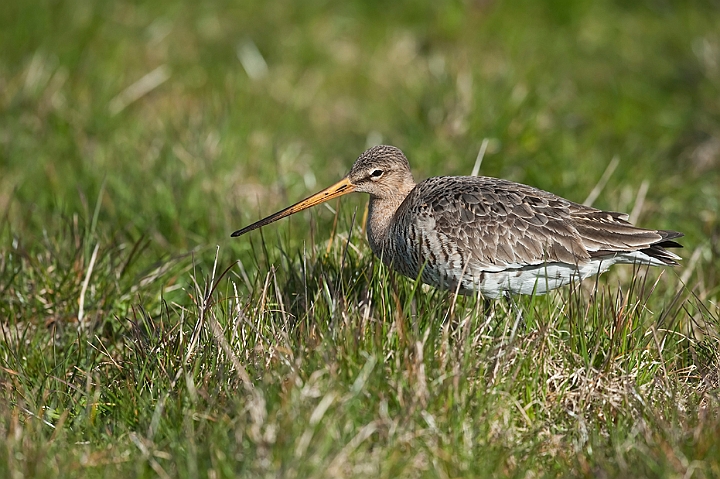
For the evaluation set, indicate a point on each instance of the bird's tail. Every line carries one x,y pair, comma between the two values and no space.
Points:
658,251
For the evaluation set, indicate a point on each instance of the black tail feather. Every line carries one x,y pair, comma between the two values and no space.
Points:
658,250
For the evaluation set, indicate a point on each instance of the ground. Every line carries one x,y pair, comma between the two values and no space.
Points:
138,339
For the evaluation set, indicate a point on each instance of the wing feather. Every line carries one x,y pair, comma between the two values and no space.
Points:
493,224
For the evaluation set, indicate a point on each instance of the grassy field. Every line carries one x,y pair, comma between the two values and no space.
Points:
138,339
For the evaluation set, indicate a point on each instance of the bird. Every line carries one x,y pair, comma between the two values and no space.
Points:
483,235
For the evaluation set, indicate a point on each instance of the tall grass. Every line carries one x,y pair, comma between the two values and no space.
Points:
330,364
138,339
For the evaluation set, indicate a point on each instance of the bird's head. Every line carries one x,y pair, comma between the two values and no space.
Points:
382,171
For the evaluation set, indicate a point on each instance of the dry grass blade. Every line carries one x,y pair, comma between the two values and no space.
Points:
602,181
86,282
139,89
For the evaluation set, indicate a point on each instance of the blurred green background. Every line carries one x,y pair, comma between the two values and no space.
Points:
250,105
136,136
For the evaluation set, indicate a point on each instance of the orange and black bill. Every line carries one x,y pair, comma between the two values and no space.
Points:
340,188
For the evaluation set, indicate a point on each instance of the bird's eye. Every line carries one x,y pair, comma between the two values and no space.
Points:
375,174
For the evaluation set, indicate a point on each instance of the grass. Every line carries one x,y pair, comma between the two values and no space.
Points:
138,339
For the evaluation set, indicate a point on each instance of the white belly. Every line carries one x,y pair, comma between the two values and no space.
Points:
529,279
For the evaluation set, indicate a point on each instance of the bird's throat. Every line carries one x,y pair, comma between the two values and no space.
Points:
381,213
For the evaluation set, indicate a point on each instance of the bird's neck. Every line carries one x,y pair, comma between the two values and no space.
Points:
381,214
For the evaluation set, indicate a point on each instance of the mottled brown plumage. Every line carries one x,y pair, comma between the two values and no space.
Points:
479,234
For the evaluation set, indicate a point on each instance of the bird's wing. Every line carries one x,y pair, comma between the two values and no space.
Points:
498,224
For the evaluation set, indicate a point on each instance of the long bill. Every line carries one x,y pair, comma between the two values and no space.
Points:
340,188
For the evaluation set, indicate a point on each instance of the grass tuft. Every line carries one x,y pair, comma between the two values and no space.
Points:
138,339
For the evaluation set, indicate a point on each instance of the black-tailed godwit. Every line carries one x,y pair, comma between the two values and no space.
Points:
475,234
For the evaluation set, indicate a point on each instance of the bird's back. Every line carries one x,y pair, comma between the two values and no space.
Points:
480,233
